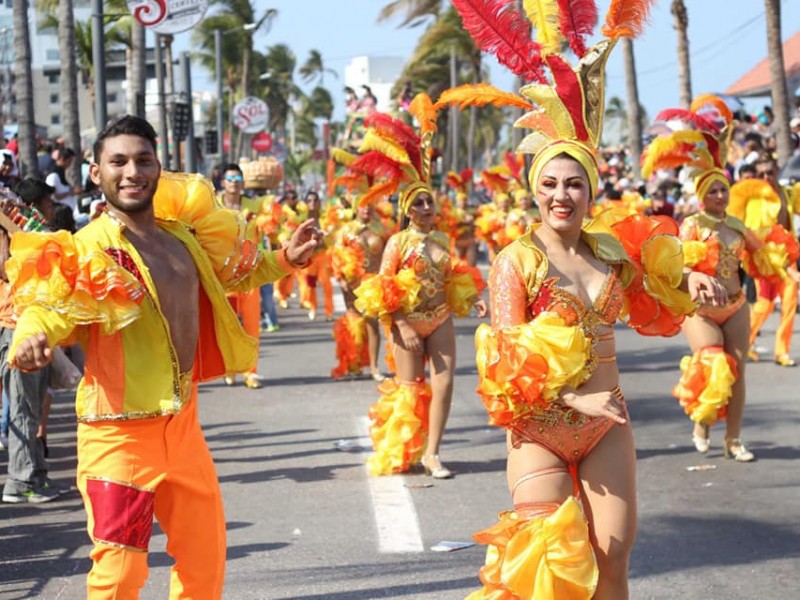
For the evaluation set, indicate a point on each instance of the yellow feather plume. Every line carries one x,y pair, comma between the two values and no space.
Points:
343,157
666,152
372,141
378,192
422,109
479,94
543,15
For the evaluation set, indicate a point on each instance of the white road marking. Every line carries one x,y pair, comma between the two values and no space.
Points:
395,515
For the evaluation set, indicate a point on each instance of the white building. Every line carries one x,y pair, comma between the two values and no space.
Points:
380,73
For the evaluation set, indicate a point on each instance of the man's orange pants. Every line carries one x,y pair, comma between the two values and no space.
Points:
317,272
247,306
131,471
765,304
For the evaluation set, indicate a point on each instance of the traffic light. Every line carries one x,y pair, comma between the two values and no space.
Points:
211,141
180,120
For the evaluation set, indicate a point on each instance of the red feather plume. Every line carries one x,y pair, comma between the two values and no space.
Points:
454,180
712,143
688,117
466,175
512,162
387,126
378,165
578,19
500,30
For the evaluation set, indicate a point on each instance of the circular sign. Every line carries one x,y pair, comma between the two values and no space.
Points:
168,17
262,142
251,115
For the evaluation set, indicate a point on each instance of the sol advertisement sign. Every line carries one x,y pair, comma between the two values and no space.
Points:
168,17
251,115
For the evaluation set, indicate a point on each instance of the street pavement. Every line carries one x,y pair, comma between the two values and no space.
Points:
305,522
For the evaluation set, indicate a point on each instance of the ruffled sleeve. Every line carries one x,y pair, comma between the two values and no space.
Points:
769,260
222,233
48,270
384,294
654,302
463,286
523,367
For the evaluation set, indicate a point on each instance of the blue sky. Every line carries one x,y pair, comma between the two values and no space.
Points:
727,38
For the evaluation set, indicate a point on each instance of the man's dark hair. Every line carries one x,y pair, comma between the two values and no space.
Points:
65,153
125,125
232,167
311,193
32,190
63,219
764,158
747,168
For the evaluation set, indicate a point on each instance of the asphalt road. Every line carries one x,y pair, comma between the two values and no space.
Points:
305,522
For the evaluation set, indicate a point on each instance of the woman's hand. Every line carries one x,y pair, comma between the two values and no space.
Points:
408,338
596,404
481,308
706,290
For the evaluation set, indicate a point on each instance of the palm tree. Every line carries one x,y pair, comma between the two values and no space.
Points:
634,115
779,88
415,11
70,114
315,68
22,73
681,24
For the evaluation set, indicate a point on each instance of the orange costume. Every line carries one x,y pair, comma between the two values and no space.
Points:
763,211
412,276
141,452
542,337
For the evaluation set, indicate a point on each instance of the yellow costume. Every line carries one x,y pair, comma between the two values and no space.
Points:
137,413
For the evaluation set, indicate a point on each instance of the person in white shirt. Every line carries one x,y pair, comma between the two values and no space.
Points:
65,193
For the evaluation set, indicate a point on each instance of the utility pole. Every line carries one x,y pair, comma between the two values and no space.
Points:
190,156
98,59
218,60
163,131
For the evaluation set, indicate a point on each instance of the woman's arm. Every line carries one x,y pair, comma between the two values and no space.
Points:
508,294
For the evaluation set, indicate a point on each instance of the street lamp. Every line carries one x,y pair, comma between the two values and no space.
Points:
218,33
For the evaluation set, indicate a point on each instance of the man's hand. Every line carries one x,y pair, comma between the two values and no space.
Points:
33,353
481,308
302,244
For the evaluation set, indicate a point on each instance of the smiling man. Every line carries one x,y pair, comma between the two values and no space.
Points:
143,288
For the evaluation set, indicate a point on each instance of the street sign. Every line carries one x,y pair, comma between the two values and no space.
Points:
168,17
262,142
251,115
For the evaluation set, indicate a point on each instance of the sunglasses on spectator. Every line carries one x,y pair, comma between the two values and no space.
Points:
763,174
234,178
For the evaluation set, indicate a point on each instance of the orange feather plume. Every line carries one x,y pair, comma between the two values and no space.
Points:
377,192
479,94
423,110
706,99
539,121
626,18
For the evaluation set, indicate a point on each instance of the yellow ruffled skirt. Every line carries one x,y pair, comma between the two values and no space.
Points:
399,426
541,558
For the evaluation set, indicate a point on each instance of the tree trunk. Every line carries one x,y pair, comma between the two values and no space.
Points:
138,80
779,88
130,91
22,71
634,113
70,114
681,24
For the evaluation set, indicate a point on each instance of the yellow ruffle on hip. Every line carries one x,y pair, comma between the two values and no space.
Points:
543,558
706,384
46,269
399,426
347,261
382,295
525,366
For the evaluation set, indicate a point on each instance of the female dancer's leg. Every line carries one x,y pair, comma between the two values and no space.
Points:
736,331
440,347
608,488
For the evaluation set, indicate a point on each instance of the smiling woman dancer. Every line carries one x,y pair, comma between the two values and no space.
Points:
712,384
547,365
416,292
